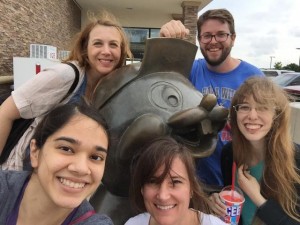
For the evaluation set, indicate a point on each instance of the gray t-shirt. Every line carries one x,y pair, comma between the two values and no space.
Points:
11,184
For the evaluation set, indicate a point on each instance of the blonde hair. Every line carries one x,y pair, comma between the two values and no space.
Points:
280,172
79,50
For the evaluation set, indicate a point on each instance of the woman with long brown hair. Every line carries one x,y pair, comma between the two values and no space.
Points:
165,189
268,161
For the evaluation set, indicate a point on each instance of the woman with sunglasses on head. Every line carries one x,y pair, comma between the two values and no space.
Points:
268,161
165,190
68,153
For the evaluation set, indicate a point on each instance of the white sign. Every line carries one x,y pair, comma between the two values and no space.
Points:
24,68
43,51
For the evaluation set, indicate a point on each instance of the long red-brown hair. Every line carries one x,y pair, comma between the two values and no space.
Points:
280,173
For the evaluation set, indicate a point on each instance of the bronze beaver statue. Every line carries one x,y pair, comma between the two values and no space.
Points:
146,100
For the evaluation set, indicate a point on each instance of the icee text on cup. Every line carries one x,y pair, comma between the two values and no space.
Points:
234,210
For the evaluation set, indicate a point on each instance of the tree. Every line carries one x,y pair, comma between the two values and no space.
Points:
278,65
292,66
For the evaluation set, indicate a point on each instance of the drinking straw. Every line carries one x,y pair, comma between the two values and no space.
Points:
233,179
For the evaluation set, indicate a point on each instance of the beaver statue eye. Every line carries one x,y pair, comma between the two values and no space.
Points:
173,100
170,96
166,96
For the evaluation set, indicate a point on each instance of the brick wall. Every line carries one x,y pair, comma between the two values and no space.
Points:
25,22
190,16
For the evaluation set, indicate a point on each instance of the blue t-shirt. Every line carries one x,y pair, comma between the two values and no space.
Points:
223,85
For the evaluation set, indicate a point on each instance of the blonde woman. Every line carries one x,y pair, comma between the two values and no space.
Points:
100,48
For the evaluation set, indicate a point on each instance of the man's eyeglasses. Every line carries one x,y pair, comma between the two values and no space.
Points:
220,37
246,108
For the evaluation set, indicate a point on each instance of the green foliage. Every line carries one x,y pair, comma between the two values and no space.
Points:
278,65
292,66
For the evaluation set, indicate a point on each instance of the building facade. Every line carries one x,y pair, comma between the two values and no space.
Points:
55,22
25,22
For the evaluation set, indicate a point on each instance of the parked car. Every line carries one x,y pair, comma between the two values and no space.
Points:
294,92
288,79
274,73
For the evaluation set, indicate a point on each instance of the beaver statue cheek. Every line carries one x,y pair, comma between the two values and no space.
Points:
143,101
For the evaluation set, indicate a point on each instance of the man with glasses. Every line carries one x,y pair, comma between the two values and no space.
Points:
218,73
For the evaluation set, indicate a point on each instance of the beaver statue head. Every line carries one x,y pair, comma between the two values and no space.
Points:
154,98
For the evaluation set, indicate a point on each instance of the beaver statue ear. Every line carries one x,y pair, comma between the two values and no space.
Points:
161,55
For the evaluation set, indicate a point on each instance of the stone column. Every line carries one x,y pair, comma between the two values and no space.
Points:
190,16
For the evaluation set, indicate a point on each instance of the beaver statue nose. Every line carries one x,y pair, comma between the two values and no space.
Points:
197,127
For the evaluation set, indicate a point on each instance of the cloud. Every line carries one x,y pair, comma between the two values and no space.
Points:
264,28
295,32
263,46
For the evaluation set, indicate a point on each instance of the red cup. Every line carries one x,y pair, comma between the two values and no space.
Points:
234,200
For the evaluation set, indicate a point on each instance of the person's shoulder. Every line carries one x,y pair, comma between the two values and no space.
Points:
5,176
199,62
248,64
11,183
65,68
255,70
140,219
86,208
209,219
97,219
11,177
198,65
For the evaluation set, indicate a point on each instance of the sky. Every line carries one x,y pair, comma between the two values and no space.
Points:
264,28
